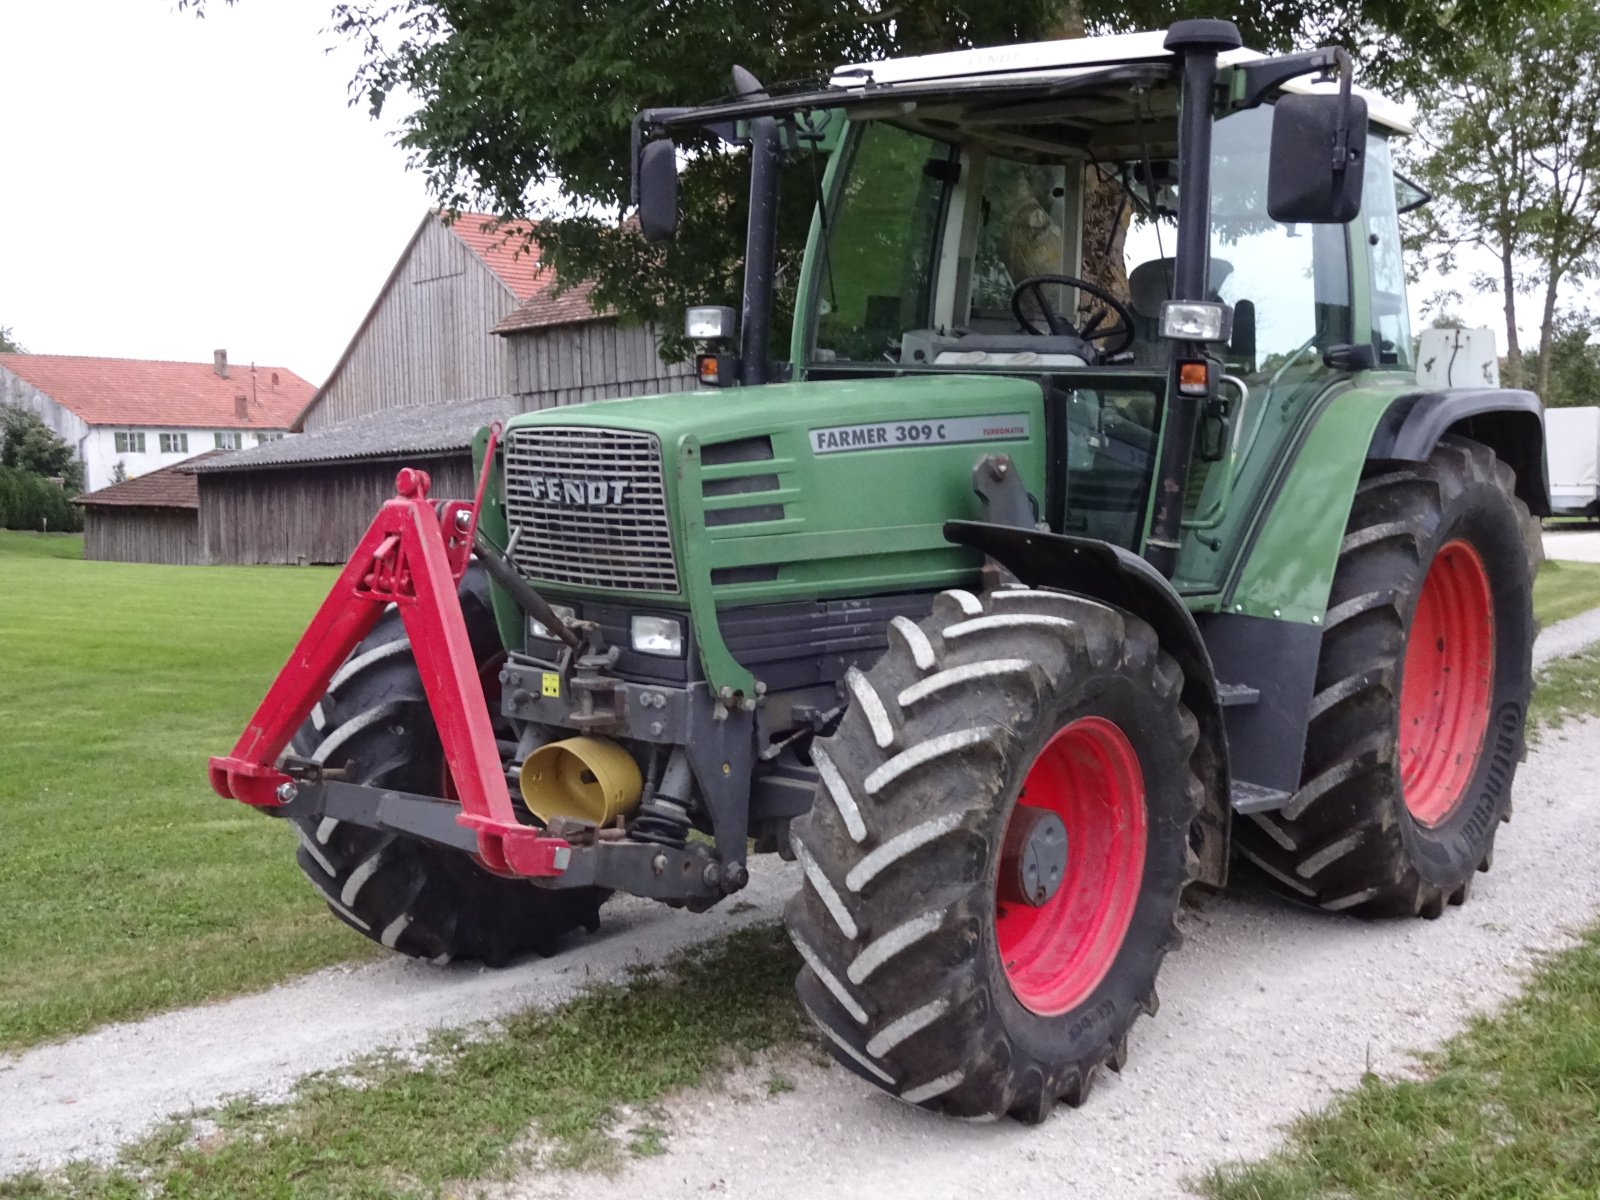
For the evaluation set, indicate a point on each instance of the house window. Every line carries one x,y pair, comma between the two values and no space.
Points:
230,440
129,443
272,436
174,443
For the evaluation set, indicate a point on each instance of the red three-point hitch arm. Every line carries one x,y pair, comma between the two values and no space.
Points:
412,556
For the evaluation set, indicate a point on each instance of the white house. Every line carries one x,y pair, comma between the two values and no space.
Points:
146,415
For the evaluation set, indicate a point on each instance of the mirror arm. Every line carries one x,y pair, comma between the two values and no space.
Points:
655,120
1261,77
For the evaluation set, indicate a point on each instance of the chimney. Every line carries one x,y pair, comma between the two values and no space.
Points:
219,363
241,406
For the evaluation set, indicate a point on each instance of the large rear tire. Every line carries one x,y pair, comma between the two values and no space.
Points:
1421,696
994,862
413,897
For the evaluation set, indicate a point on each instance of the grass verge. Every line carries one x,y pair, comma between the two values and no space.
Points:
1510,1108
1565,589
126,885
394,1129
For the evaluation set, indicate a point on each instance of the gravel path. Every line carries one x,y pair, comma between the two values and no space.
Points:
1267,1010
1574,545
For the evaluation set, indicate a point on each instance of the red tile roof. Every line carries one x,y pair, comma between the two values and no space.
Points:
167,487
545,309
506,248
131,391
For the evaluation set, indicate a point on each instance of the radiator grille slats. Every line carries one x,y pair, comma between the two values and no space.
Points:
625,545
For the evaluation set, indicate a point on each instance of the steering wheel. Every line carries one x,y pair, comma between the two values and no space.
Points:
1091,331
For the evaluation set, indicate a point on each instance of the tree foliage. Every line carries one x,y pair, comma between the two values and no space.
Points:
1573,355
8,341
1512,152
27,444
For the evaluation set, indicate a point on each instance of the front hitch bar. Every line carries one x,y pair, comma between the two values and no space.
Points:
413,556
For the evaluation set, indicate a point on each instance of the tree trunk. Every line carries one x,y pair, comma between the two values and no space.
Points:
1547,327
1509,282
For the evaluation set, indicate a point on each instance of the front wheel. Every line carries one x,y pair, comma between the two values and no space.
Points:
994,861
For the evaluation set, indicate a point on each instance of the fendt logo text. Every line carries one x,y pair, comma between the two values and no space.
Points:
577,493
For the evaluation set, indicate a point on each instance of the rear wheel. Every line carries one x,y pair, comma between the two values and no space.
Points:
413,897
1422,691
994,862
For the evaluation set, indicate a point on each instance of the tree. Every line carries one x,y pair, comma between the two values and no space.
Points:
119,472
522,107
1573,355
1513,155
8,342
28,445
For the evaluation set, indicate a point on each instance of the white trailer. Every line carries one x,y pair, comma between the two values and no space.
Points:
1572,449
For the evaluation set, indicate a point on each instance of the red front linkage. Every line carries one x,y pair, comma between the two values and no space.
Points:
413,556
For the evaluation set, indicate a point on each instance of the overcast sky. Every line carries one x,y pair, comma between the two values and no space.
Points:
173,185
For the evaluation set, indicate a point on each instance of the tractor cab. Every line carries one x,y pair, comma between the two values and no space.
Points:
1035,211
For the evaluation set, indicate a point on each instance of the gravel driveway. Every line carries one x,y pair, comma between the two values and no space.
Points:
1266,1011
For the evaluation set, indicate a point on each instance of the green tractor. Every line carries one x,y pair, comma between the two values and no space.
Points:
1096,529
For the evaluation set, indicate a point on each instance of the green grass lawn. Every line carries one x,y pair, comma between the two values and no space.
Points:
126,885
1565,589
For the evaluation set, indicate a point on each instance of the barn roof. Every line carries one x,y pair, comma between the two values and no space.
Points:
183,395
393,433
166,487
505,247
546,309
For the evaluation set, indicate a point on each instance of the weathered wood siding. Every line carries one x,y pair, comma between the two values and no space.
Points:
142,535
308,514
598,360
427,341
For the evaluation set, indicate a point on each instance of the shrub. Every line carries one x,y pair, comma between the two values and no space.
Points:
29,501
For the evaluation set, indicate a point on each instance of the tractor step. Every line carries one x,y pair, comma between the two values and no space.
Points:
1253,798
1237,695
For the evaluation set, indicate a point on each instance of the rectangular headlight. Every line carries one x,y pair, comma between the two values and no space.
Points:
538,628
661,636
1196,321
708,322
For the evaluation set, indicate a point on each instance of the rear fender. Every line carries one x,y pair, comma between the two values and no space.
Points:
1509,422
1112,575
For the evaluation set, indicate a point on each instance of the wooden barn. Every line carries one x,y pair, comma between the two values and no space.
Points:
152,519
467,328
309,498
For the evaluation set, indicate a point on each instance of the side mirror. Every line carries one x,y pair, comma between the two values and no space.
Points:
1319,148
658,190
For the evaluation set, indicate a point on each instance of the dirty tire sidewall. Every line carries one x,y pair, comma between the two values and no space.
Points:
413,897
973,1049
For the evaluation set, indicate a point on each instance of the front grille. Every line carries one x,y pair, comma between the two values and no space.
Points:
586,534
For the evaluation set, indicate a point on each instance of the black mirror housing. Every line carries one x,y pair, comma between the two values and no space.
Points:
658,190
1304,185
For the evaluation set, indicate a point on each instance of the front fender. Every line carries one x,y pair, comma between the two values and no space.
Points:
1115,576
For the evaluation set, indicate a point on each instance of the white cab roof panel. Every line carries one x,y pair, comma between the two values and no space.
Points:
1074,56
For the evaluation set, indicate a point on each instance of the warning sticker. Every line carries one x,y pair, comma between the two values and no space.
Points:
891,435
550,685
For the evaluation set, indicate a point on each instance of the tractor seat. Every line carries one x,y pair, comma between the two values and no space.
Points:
1149,286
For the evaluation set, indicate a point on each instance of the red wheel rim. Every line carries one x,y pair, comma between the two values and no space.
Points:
1056,954
1447,684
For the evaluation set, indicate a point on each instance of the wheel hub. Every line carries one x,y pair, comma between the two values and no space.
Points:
1034,859
1060,919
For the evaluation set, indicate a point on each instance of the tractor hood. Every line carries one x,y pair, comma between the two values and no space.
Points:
785,492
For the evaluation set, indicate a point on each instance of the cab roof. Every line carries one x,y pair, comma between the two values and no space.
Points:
1069,57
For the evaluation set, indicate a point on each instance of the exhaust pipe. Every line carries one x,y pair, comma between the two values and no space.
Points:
589,778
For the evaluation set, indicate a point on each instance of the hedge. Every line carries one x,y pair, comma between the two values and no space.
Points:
29,501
